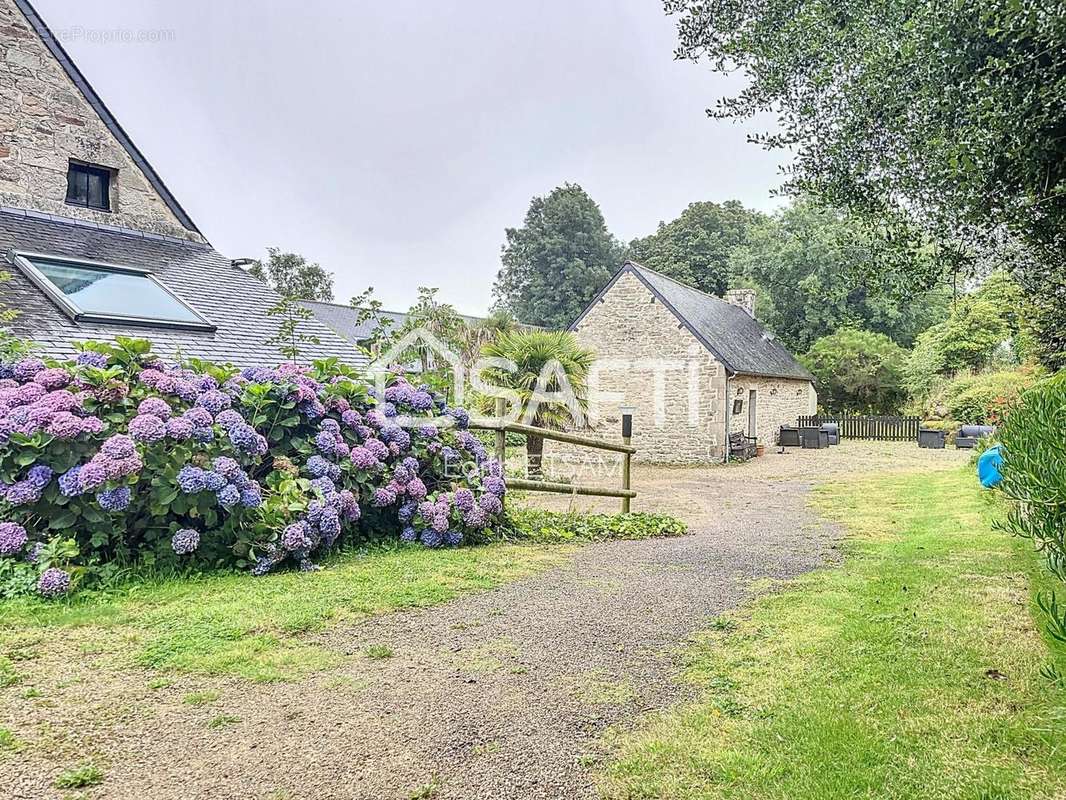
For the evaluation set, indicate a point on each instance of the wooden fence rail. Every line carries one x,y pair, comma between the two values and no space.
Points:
861,426
501,428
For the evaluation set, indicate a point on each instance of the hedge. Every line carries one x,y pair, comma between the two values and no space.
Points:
117,457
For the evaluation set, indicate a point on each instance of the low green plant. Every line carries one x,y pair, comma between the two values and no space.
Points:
222,720
201,698
538,525
85,774
8,740
1034,478
377,651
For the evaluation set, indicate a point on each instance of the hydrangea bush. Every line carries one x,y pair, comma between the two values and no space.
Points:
118,457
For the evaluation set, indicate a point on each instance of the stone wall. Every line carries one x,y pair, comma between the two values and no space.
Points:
648,360
779,401
45,122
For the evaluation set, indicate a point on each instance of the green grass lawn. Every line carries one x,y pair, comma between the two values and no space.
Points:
911,670
238,625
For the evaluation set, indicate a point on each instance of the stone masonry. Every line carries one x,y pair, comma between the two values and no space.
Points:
648,360
779,401
45,122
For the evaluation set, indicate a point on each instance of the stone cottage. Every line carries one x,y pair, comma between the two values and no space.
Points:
694,368
94,242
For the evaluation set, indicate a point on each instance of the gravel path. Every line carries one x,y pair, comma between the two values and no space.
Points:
505,694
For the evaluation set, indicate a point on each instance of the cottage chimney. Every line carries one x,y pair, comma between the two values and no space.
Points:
745,298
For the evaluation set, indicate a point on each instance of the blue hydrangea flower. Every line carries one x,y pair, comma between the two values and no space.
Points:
407,512
317,466
453,538
408,534
185,541
114,499
213,400
229,495
431,538
226,467
91,360
213,482
294,537
251,497
490,504
191,479
40,476
324,486
326,442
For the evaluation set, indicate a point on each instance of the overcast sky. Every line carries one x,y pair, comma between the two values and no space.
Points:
394,141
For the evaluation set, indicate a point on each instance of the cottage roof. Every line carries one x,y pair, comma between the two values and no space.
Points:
735,338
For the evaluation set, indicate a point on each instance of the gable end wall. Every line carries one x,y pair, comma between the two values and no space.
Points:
643,353
45,122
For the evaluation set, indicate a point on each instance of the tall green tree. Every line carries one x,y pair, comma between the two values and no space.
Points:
546,363
557,261
695,248
292,275
939,123
811,268
858,371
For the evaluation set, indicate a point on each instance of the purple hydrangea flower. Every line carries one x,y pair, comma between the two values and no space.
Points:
379,449
383,496
53,582
227,467
213,401
12,538
490,504
25,369
464,499
245,439
185,541
416,489
34,553
476,517
318,466
54,378
179,428
23,493
147,428
65,426
363,459
295,537
351,418
155,407
347,505
91,360
411,463
494,485
439,522
229,418
421,401
199,417
461,417
326,442
91,475
118,446
324,486
114,499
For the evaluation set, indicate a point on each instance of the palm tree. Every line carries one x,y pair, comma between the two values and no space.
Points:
532,352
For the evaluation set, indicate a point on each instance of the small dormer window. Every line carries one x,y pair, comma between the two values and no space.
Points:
89,186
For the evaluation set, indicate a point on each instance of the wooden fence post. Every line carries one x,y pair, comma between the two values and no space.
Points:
501,434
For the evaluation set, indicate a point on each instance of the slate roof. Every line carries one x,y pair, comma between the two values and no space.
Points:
93,99
227,296
734,337
345,319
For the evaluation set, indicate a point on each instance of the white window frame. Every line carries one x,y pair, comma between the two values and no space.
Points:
21,259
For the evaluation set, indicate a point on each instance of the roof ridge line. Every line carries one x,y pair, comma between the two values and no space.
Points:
638,265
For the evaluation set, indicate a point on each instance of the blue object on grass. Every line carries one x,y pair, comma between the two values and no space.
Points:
988,466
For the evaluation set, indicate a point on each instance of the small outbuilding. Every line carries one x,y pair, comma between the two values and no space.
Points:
693,367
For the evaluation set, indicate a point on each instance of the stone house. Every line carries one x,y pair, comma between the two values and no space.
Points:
95,243
695,368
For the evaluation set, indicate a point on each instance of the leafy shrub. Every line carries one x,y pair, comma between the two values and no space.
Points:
117,458
553,526
982,399
857,371
1034,477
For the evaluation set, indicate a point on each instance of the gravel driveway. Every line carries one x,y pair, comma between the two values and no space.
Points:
506,694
